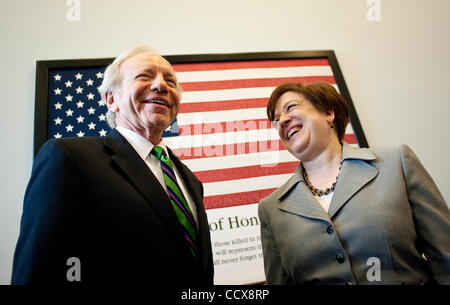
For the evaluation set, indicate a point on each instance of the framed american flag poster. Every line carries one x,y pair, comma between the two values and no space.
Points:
221,133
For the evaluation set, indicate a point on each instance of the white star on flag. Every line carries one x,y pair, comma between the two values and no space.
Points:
58,135
102,133
75,87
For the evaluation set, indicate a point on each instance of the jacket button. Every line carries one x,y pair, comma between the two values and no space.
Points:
330,230
340,258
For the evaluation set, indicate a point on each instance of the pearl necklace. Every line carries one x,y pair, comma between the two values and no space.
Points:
318,192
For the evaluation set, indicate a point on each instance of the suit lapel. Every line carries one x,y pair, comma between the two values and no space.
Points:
356,172
295,198
138,173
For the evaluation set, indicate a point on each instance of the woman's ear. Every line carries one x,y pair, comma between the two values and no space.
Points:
110,102
330,116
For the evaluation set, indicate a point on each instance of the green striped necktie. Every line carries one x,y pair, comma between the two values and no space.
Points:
179,202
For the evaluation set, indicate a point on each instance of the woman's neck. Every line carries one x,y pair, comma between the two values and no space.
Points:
324,168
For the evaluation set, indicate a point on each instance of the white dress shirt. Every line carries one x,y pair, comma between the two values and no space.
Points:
143,147
325,201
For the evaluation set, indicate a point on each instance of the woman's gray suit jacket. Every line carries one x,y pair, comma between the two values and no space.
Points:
387,224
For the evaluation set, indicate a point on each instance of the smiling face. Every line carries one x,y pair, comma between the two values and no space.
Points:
147,99
304,130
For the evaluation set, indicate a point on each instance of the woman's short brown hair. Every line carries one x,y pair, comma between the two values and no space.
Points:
322,96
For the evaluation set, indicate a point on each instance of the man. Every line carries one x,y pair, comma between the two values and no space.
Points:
121,209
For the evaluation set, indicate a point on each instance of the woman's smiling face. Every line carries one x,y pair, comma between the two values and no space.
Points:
304,130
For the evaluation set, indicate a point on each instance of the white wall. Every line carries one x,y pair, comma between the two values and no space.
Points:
397,70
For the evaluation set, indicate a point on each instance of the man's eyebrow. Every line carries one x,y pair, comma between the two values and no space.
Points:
146,69
171,74
150,70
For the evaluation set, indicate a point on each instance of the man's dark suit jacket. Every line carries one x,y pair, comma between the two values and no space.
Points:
95,199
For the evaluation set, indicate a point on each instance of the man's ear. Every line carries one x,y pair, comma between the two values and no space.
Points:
110,102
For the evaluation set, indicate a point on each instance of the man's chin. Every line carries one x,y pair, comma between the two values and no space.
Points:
160,124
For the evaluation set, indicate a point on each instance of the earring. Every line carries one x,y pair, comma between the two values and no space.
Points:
331,125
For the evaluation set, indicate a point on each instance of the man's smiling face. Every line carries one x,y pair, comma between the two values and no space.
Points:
148,97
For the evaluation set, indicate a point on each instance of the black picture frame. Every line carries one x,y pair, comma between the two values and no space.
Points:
44,67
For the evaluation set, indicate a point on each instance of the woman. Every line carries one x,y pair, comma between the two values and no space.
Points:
348,215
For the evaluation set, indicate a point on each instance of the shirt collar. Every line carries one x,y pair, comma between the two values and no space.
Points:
348,153
140,144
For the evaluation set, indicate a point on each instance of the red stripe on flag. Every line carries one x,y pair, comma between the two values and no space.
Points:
223,105
228,150
226,174
235,199
253,83
276,63
350,138
221,127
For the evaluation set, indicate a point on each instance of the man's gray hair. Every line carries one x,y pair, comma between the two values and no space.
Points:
111,77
